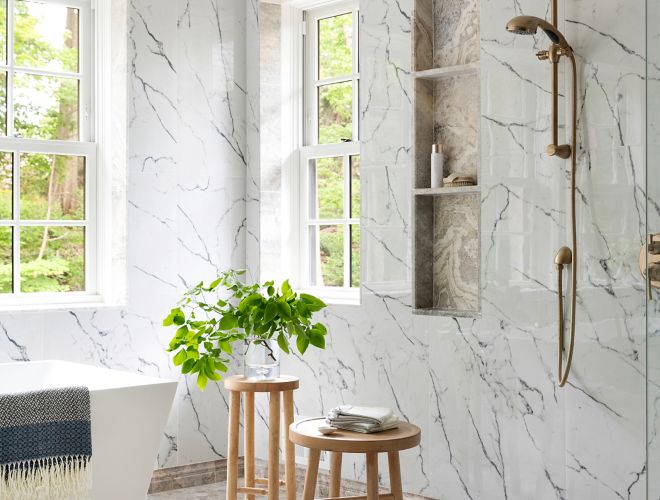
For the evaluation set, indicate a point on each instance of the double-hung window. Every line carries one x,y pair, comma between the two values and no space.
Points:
48,230
329,160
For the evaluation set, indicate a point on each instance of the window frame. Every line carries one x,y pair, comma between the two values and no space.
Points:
300,141
94,103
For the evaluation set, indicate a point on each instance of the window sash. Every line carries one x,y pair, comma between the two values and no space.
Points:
84,147
308,154
17,147
83,75
312,82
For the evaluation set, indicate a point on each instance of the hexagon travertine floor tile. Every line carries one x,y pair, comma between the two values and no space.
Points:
214,491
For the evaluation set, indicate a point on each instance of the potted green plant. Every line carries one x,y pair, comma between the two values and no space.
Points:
210,319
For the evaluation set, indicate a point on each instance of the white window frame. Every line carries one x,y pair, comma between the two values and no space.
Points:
300,70
94,126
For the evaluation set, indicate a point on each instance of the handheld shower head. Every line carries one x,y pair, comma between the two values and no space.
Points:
529,25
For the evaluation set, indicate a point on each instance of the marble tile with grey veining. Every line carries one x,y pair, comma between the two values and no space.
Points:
456,252
456,115
455,32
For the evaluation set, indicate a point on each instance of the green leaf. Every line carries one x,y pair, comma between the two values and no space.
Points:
286,288
226,347
169,320
179,318
316,339
320,327
215,283
188,366
284,308
202,380
302,343
175,317
180,357
283,343
313,303
270,312
228,322
250,300
219,365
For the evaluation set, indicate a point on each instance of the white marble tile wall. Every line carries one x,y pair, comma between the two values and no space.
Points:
495,424
186,183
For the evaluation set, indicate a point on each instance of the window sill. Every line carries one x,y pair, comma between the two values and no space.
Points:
44,304
331,296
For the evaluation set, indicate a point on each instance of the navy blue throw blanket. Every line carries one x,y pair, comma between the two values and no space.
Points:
45,444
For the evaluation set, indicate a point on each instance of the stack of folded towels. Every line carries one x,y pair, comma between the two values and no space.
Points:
362,419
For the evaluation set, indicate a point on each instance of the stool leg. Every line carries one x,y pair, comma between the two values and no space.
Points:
335,473
248,416
289,448
232,452
274,446
395,475
372,476
312,472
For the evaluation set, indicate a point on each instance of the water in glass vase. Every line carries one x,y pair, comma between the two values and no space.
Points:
262,359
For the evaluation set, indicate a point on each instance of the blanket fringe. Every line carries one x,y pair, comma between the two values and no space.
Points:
52,478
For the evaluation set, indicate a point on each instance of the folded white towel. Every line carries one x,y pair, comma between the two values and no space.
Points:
362,419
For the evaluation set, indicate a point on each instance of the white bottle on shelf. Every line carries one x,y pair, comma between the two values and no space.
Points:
437,165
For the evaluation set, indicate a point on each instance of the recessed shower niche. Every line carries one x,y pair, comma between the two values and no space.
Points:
447,112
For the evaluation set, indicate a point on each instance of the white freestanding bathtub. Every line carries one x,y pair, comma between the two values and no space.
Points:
129,413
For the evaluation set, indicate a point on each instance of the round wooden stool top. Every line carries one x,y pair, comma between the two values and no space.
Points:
240,383
306,433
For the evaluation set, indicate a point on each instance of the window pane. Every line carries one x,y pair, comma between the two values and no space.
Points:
46,36
52,187
355,187
6,184
355,255
6,268
52,259
3,103
327,259
336,46
46,107
335,113
327,190
3,31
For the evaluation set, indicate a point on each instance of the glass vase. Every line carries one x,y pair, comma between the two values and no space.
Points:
261,359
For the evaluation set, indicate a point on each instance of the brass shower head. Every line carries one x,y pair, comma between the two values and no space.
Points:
528,25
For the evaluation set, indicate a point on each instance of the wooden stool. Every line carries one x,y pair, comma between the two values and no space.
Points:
305,433
236,385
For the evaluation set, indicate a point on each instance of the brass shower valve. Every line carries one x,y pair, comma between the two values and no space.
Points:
543,55
649,259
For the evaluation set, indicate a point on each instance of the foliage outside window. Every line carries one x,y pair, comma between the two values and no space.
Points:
46,154
330,162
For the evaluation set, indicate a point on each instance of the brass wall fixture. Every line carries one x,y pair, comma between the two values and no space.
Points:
559,47
649,263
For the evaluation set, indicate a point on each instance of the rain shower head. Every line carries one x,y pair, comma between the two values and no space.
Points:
529,25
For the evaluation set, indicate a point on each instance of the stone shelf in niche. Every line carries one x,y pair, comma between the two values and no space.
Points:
445,312
446,191
438,73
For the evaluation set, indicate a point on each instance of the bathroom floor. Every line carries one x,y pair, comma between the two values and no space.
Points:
208,492
214,491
